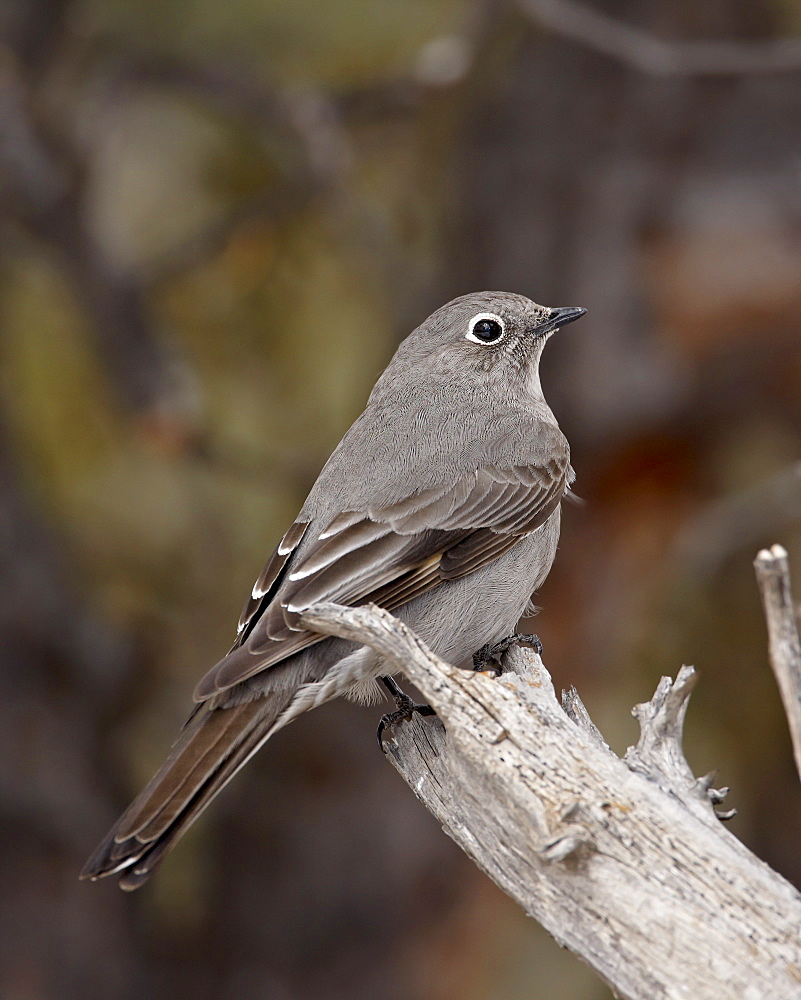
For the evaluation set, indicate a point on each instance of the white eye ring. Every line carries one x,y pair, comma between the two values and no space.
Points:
470,335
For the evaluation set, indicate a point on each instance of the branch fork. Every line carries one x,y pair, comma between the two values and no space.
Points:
623,861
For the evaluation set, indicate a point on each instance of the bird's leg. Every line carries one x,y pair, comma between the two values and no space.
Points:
405,708
490,655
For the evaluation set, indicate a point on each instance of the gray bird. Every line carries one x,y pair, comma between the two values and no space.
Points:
440,504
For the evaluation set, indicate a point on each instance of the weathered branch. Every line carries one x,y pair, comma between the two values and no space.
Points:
624,862
773,577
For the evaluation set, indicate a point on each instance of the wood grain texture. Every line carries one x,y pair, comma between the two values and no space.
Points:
784,644
624,861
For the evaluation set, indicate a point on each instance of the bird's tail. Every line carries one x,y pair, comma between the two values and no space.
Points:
214,745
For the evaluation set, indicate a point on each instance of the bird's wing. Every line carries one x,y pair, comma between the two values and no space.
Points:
388,555
264,589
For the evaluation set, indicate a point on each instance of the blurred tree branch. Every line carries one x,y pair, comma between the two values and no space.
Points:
43,173
304,119
43,187
625,861
645,52
44,190
301,129
737,521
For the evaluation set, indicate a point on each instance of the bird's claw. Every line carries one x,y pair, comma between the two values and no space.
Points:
405,710
490,654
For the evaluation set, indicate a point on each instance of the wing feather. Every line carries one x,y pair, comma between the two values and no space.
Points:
390,555
269,580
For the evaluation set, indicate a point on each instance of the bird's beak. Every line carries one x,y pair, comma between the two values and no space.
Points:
558,317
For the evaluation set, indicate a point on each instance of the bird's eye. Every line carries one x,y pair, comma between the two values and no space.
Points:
485,328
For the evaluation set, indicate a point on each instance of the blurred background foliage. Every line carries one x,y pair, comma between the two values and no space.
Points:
218,222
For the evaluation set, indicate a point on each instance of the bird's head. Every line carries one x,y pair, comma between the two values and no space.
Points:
490,338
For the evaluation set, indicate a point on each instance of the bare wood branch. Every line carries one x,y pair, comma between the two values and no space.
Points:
784,645
644,52
624,862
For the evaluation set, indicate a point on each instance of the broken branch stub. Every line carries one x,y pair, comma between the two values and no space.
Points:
784,645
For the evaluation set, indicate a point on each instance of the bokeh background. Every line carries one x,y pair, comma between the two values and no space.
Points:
218,220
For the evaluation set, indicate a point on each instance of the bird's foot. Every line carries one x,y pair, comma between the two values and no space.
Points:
490,655
404,711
